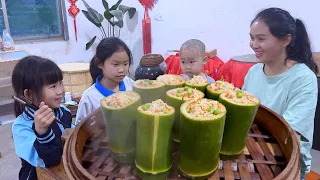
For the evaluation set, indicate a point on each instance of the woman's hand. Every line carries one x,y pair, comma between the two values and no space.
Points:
43,118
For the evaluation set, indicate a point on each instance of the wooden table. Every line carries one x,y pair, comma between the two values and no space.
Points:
73,110
53,173
58,173
312,176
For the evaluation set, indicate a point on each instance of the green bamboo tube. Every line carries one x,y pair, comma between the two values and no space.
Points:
154,137
197,82
117,110
202,125
149,90
242,108
175,97
213,91
171,81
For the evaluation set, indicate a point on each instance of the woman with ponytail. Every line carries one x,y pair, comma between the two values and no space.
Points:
284,79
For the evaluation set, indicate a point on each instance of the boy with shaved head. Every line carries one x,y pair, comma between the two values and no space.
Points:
192,59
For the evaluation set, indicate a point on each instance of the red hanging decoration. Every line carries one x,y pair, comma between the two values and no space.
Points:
146,25
74,10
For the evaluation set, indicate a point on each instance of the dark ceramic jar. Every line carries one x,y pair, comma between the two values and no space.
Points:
149,67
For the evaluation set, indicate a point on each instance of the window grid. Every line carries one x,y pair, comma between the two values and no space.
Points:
63,22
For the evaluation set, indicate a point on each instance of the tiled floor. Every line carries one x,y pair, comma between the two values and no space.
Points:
10,163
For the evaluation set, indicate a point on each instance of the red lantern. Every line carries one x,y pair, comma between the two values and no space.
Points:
74,10
146,25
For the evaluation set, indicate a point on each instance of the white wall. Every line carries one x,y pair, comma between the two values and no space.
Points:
219,24
223,24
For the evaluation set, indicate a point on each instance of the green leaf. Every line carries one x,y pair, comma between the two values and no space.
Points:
123,8
95,16
108,15
105,4
89,44
114,7
111,23
118,14
119,24
132,11
86,14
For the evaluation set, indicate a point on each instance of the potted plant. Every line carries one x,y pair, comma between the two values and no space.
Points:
114,16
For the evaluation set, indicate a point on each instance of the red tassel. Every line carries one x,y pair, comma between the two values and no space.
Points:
74,10
146,25
148,3
75,28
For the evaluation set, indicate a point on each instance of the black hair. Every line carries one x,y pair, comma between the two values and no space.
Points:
194,43
105,50
281,24
95,71
32,73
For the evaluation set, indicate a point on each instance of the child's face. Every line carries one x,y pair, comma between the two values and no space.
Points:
266,46
116,67
52,94
191,62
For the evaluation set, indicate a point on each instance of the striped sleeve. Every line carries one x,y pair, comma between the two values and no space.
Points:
46,137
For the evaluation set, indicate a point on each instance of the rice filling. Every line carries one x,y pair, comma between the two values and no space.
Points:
120,99
157,107
241,97
185,93
145,83
197,81
221,86
204,108
171,79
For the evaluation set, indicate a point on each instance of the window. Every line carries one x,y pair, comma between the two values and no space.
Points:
34,19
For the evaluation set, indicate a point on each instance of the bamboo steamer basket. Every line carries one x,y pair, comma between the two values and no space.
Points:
270,153
76,76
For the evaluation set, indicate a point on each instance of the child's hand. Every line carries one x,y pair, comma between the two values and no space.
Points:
43,118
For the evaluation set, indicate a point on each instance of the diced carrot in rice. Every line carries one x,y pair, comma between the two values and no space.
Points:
197,81
146,83
157,107
121,99
221,86
171,79
241,97
185,93
204,108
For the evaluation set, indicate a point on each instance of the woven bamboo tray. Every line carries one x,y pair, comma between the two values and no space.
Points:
271,152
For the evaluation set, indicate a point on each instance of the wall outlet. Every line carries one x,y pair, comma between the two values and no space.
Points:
158,17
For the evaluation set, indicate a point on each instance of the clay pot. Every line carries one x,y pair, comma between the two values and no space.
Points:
149,67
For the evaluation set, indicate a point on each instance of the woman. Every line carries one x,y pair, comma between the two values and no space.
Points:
284,78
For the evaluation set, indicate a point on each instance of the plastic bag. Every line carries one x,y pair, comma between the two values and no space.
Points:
8,43
163,66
